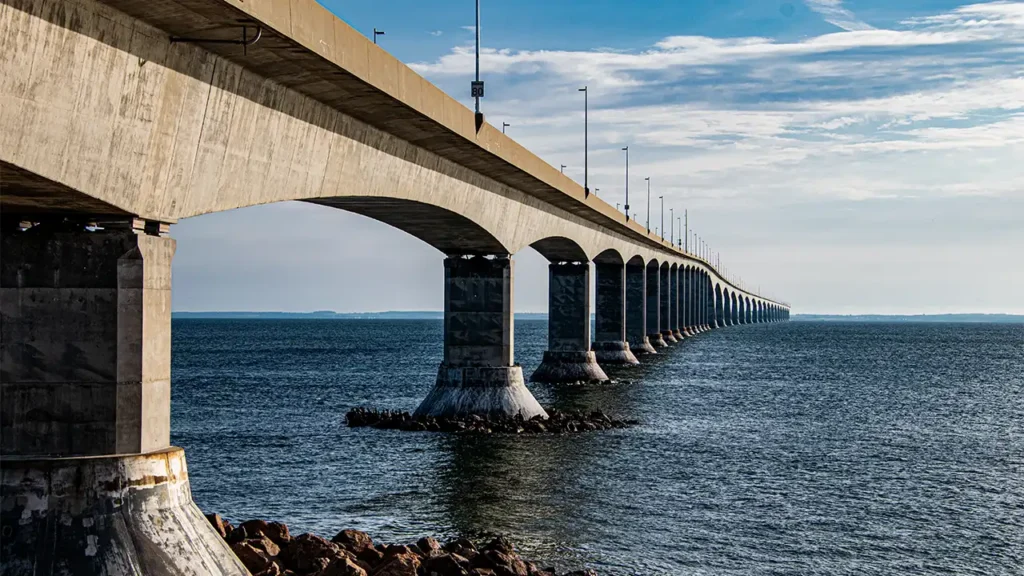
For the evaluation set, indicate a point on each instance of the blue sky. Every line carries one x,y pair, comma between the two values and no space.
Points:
848,156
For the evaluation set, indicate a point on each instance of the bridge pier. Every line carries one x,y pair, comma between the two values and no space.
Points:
636,309
88,479
568,358
665,303
478,375
675,300
654,306
610,345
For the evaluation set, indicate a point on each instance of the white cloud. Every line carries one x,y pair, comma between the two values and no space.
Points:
435,33
835,14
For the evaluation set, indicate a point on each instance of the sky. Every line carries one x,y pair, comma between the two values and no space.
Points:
843,156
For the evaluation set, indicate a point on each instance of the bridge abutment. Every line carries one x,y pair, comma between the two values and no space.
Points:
478,375
568,358
89,481
610,345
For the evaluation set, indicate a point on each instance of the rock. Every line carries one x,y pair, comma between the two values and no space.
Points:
263,543
343,567
402,565
501,544
503,564
218,523
353,540
459,546
587,572
370,555
255,560
273,570
397,550
304,552
445,565
428,545
253,528
481,572
277,532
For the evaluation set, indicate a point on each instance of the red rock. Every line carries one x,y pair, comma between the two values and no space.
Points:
343,567
353,540
403,565
253,559
586,572
444,565
278,533
302,553
428,545
218,523
273,570
261,542
371,556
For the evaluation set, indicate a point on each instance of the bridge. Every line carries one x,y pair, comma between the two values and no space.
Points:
118,118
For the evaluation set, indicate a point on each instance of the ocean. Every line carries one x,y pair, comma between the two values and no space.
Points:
796,448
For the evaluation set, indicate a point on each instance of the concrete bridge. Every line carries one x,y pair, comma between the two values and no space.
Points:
112,130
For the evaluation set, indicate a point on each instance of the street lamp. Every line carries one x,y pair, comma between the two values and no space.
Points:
662,198
648,204
562,169
626,149
596,190
377,33
586,189
476,86
503,126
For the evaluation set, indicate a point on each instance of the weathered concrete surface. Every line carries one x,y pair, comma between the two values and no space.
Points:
568,358
636,308
115,515
478,374
85,341
610,346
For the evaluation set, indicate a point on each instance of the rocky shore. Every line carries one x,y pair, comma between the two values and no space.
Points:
268,549
558,421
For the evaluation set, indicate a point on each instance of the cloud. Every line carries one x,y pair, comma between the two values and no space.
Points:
835,14
435,33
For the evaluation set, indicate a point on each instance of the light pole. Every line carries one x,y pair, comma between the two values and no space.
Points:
596,190
686,214
562,169
504,125
477,87
662,198
586,188
648,204
680,221
377,33
626,149
672,221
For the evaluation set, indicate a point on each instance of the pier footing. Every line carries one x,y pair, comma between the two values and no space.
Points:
491,391
568,368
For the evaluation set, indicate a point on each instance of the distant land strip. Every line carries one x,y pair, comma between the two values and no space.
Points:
438,315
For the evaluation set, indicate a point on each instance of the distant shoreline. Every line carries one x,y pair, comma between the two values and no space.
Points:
438,315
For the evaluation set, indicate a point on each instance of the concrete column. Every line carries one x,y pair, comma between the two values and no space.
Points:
685,302
676,300
665,303
88,479
610,346
742,309
478,375
719,308
705,319
636,309
654,306
568,358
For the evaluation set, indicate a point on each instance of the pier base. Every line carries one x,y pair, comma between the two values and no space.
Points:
117,515
617,353
490,391
568,368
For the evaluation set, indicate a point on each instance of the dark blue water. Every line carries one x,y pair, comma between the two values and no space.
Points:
793,448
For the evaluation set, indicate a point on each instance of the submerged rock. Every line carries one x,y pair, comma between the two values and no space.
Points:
558,421
267,549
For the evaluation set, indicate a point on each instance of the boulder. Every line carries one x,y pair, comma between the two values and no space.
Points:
402,565
370,555
261,542
344,566
277,532
428,546
501,544
353,540
255,560
223,528
445,565
274,569
587,572
304,552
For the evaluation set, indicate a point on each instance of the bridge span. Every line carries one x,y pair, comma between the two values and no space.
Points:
112,130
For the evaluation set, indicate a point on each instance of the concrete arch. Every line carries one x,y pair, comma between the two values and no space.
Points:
559,249
609,256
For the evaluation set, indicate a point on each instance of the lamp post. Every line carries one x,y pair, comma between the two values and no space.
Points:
648,204
662,198
504,125
686,214
476,86
596,190
626,149
586,188
562,169
377,33
672,221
